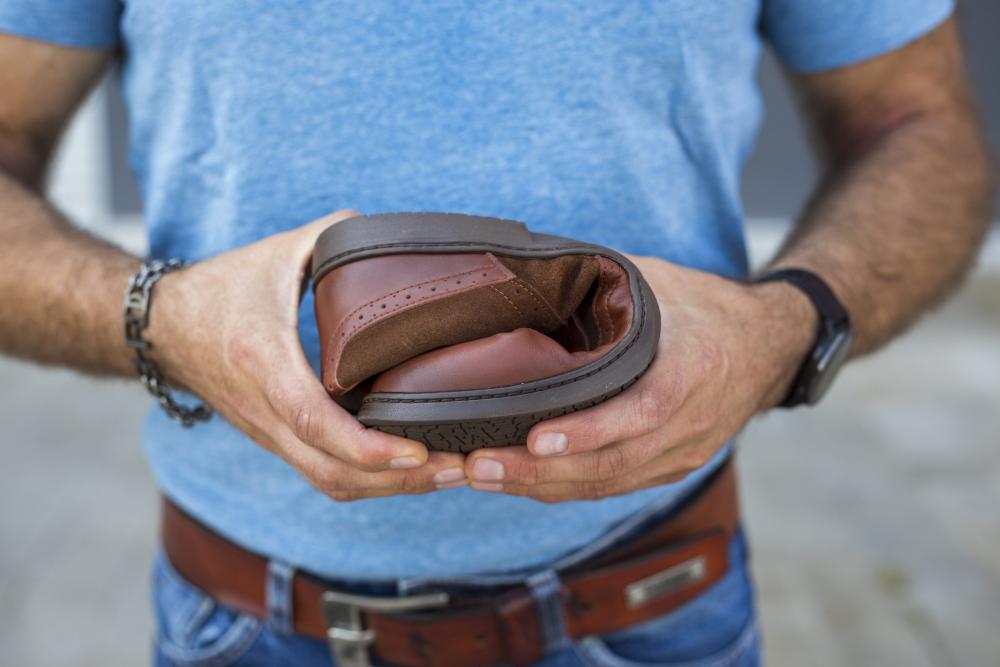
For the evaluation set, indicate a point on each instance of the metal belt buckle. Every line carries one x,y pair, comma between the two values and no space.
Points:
349,638
665,582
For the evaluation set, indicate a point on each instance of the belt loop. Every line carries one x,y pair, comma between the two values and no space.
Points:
279,596
546,591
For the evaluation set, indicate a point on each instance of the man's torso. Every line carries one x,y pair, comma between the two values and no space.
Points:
622,123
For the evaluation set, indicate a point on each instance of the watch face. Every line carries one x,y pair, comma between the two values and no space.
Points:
831,357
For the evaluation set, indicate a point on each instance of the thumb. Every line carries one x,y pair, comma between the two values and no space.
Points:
305,240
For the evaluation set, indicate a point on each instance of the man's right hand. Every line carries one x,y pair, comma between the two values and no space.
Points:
226,329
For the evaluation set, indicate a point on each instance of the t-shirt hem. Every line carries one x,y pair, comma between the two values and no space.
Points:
824,55
20,26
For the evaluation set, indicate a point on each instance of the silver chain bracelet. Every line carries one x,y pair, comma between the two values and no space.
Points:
137,299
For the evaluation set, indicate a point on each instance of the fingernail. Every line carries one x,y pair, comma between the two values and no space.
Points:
487,486
548,444
487,470
404,462
448,476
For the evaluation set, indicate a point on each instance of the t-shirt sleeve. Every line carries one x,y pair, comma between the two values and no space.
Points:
813,35
82,23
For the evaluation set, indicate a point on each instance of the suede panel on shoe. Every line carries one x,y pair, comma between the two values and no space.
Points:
557,284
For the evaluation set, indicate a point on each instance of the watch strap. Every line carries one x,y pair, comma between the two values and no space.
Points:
831,312
832,317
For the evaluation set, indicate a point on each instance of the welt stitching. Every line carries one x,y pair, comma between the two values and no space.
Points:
520,392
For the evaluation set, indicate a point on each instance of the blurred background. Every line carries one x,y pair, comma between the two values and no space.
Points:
875,520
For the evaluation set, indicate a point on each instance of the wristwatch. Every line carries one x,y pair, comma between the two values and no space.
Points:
833,341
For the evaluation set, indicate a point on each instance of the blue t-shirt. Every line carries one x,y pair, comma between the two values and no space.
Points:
623,123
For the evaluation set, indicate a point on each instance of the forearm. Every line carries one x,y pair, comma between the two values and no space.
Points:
895,229
892,231
60,288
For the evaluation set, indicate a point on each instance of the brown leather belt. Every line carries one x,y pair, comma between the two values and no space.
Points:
644,577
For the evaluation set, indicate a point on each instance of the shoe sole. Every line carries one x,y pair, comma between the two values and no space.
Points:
462,421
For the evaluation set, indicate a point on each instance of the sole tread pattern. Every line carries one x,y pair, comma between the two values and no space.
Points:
465,437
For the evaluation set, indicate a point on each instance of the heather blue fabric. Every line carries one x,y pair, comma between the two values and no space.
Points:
622,123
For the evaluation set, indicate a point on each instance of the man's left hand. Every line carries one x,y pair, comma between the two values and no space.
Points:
727,350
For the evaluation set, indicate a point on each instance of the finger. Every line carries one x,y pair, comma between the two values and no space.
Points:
306,235
298,397
304,242
300,401
638,458
345,482
354,478
639,410
673,466
570,491
518,466
341,481
310,231
584,490
258,435
442,470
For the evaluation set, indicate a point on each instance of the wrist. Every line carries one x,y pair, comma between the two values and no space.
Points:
167,332
787,326
117,357
138,306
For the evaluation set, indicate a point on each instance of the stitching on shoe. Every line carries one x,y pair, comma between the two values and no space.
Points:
539,299
336,344
546,387
383,297
512,304
595,307
608,289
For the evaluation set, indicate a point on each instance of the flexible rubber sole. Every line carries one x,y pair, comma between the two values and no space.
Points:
467,420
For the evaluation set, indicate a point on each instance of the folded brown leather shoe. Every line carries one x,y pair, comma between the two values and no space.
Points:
464,331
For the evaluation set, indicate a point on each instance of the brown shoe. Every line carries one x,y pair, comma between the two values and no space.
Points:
463,331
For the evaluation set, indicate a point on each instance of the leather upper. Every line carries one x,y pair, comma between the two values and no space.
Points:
452,321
